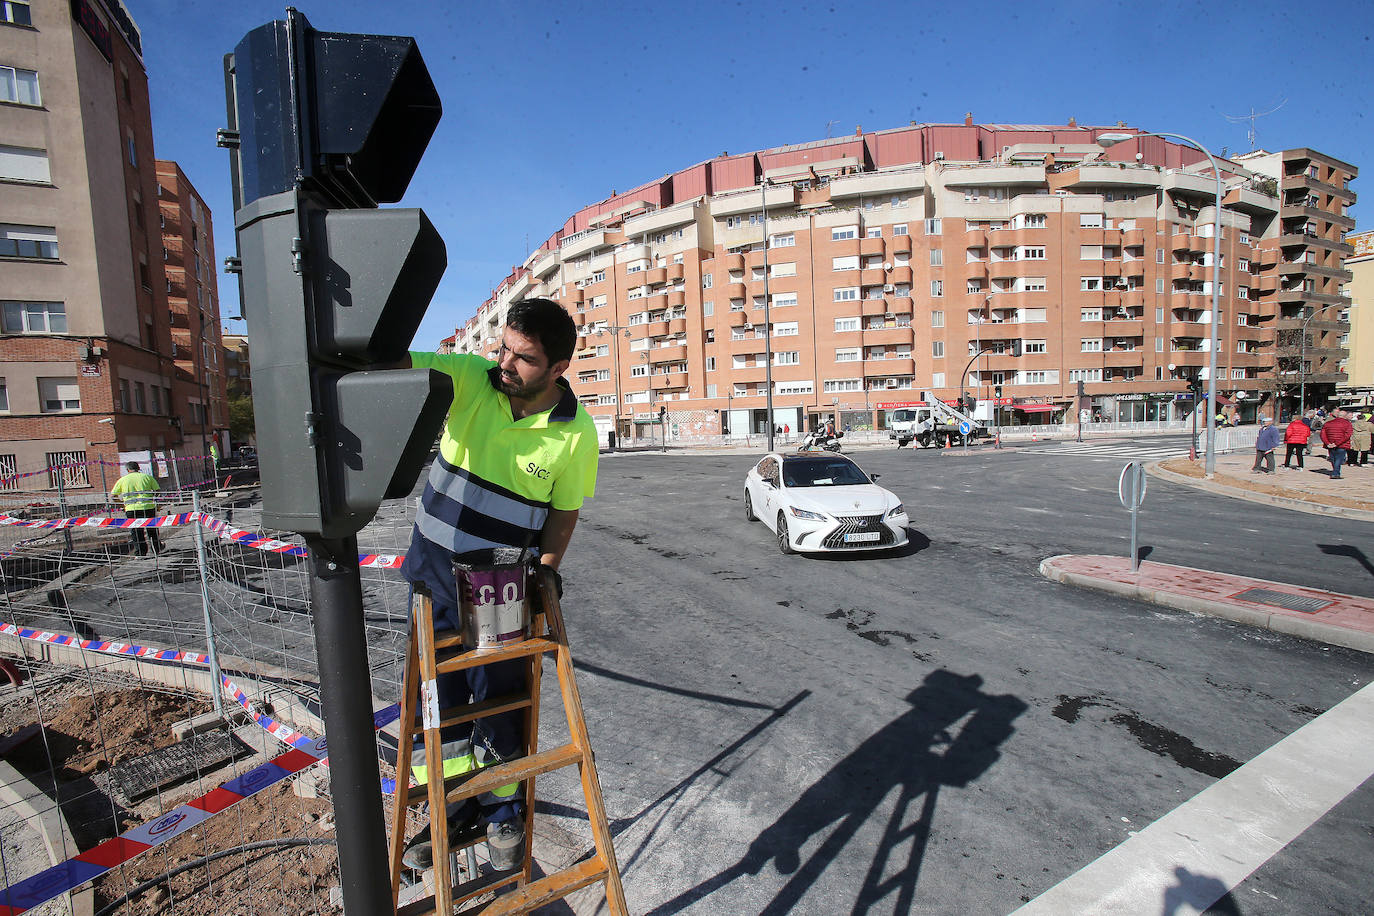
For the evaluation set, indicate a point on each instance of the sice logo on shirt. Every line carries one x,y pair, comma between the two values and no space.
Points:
537,471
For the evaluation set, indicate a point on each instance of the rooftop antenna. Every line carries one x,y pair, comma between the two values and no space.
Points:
828,125
1251,117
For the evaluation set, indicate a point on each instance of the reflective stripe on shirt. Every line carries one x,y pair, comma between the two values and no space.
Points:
460,512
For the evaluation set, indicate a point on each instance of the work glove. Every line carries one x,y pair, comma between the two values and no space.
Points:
553,573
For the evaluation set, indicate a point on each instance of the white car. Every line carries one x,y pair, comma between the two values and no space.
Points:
819,502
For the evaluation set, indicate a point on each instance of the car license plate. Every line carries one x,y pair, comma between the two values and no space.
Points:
862,536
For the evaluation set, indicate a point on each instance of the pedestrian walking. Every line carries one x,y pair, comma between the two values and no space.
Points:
1336,433
1295,436
136,489
1361,439
1265,443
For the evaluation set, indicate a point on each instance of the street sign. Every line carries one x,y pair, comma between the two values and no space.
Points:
1131,486
965,427
1131,489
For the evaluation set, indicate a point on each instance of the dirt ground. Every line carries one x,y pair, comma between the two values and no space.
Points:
90,726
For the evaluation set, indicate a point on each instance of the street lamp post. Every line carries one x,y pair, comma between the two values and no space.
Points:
613,330
767,325
1111,139
1302,358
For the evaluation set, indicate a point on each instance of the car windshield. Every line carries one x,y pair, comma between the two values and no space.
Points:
821,472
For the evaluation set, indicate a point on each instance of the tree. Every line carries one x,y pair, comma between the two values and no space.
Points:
241,428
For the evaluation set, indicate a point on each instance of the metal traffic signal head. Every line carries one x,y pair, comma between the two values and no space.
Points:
328,121
1016,347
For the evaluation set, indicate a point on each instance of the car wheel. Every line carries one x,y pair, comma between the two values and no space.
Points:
784,542
749,508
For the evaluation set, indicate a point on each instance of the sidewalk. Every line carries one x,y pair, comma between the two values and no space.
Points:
1329,617
1309,490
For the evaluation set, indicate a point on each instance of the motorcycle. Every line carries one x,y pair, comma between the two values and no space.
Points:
817,440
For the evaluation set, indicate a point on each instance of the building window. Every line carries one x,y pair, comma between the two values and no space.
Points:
873,232
598,276
1090,220
787,329
1035,221
782,240
899,229
794,387
1085,375
786,269
28,242
1090,315
1031,284
937,348
782,300
937,319
708,308
932,227
141,399
846,293
133,150
710,363
842,233
35,318
1090,345
851,262
1032,346
937,288
846,324
19,86
15,12
1159,344
1089,284
787,358
847,355
4,398
841,384
19,163
937,257
1031,253
59,395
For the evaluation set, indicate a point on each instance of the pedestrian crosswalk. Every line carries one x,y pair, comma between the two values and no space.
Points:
1123,451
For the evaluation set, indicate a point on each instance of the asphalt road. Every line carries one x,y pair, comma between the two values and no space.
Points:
939,730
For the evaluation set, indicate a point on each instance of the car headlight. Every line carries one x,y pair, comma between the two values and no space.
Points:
803,513
896,511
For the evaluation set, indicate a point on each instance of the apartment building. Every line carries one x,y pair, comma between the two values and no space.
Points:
1312,310
1359,382
899,262
85,346
238,366
188,255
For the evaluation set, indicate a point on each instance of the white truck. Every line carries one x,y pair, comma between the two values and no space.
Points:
934,423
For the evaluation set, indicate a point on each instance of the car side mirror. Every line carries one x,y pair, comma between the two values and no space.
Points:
874,476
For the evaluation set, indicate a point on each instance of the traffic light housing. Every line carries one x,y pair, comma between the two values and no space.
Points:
1016,347
323,127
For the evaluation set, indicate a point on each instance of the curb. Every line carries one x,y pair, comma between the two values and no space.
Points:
47,820
1278,623
1154,469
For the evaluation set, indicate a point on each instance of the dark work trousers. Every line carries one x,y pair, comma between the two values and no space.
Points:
1294,448
139,534
495,738
1337,456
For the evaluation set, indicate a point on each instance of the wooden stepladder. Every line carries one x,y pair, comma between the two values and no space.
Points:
431,654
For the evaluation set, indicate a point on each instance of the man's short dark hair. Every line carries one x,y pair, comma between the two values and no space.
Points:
132,466
547,322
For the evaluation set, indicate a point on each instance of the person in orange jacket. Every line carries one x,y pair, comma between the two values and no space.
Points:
1295,436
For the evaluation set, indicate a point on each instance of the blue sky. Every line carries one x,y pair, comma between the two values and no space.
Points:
551,106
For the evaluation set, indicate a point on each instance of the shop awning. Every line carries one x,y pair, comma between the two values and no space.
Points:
1035,408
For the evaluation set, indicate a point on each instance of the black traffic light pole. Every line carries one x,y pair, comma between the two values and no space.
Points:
332,288
346,693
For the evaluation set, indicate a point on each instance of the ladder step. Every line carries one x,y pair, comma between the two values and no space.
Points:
468,785
448,639
487,881
467,712
547,889
475,657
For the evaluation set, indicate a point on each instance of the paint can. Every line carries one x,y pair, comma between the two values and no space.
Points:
493,597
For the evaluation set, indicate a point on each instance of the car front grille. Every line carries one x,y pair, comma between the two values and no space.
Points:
854,524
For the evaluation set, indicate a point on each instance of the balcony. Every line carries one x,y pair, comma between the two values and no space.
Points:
872,276
1123,358
655,276
888,366
893,336
735,290
669,380
899,244
582,243
1123,327
899,305
677,298
1309,297
739,319
1344,222
734,261
874,307
675,271
900,274
1181,241
1132,238
871,247
1181,270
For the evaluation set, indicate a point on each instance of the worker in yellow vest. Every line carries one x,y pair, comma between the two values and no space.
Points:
136,489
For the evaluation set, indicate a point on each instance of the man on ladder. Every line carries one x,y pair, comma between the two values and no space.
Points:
517,457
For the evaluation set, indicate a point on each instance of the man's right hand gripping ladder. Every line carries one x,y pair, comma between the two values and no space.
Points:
431,654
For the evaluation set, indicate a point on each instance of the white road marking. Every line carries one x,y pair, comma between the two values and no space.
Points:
1035,509
1209,844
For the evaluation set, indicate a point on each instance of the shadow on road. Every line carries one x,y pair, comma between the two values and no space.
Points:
1345,550
1195,892
917,753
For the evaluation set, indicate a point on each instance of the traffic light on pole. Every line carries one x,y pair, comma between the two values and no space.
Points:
324,126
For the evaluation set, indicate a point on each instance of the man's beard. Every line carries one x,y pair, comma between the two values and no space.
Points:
514,388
